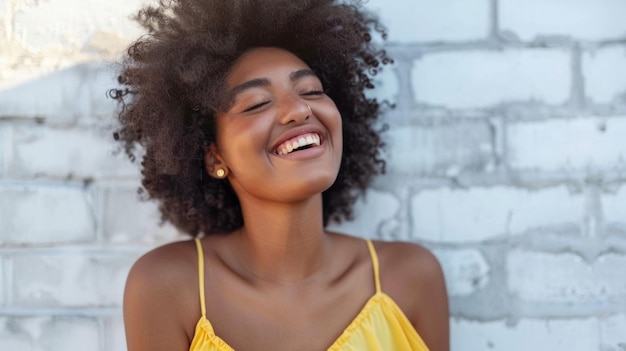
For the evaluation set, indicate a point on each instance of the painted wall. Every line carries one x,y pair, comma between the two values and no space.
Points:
507,157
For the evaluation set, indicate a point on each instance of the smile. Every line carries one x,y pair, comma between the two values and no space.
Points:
301,142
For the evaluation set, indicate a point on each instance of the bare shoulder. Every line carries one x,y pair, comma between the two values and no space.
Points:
161,270
165,260
158,298
412,275
408,261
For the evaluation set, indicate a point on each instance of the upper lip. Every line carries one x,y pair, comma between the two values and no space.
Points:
291,133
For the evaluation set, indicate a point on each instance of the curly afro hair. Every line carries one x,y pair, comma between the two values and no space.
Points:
172,85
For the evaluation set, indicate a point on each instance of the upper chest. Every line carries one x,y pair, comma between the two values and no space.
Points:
311,316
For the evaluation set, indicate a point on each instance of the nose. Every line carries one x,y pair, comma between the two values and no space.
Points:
296,111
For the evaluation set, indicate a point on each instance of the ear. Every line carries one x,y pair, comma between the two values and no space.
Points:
214,163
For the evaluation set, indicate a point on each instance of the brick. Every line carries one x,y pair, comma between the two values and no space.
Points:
78,91
78,152
41,214
6,148
604,71
581,19
466,270
566,144
126,219
49,25
116,339
49,334
370,214
613,206
70,279
12,337
612,332
527,334
565,278
3,281
470,79
440,150
476,214
433,20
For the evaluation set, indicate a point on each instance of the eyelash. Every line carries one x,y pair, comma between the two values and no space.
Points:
255,106
314,93
261,104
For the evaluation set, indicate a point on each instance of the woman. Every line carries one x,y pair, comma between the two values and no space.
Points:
257,133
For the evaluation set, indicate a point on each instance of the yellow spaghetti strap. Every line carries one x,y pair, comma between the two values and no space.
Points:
374,264
201,276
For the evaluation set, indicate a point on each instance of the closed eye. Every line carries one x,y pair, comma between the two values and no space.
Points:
314,93
256,106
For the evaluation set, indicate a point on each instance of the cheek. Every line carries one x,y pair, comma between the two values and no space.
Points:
243,140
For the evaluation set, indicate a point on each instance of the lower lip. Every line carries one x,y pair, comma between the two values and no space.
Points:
306,154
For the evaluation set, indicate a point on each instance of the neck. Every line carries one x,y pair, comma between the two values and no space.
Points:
282,243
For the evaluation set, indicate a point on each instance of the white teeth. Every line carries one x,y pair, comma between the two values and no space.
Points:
288,147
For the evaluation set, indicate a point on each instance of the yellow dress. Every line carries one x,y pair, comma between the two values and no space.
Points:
379,326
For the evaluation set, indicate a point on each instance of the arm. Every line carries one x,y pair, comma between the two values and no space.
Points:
413,277
431,317
152,317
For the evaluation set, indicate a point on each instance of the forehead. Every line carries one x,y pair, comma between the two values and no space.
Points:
263,62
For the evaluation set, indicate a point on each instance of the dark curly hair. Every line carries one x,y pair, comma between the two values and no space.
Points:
172,85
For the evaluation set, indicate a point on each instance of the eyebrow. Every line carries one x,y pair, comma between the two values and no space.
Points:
264,82
301,73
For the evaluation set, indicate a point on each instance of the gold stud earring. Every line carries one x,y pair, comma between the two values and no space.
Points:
220,173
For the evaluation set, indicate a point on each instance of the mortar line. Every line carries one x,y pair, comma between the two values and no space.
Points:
494,25
577,90
61,312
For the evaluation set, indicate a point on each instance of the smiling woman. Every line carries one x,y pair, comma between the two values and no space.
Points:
278,104
257,133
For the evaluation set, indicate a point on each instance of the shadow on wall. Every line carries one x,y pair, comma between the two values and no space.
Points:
65,96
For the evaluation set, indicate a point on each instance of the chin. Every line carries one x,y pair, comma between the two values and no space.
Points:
309,187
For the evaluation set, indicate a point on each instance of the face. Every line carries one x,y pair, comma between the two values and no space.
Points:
280,136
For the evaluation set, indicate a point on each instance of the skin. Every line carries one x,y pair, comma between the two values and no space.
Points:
285,283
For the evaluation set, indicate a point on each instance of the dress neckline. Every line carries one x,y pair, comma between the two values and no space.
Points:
348,331
377,298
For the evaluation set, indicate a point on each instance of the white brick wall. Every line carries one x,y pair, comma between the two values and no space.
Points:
6,148
116,340
506,157
61,153
457,215
568,144
4,276
372,213
566,278
433,20
127,220
49,333
79,92
46,25
45,213
470,79
604,70
583,19
612,334
445,149
72,279
613,206
466,270
527,334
